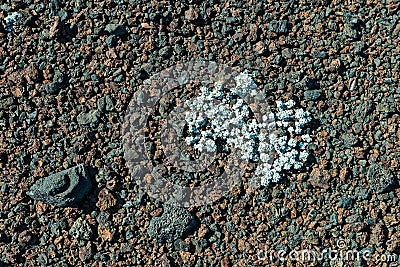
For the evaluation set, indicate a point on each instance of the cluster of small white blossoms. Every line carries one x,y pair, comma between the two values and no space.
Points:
216,114
10,20
290,146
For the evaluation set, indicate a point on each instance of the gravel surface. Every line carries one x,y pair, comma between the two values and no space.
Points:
68,70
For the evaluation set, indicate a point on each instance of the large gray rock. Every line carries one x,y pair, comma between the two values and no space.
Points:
171,225
279,26
380,178
63,188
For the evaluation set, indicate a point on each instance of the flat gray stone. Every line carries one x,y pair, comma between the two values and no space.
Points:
311,95
171,225
63,188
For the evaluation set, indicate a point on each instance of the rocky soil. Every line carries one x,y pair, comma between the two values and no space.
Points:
68,70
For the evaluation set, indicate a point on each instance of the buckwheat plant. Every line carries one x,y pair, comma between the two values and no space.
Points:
221,118
10,20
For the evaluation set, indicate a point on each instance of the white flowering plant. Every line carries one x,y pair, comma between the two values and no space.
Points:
219,114
10,20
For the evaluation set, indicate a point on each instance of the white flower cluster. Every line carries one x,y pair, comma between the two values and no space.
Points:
214,116
244,84
10,21
289,146
218,115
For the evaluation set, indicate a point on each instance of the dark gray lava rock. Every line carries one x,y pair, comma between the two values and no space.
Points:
311,95
115,29
89,117
362,192
349,139
165,52
319,54
105,103
281,26
81,230
171,225
63,188
380,178
111,41
345,202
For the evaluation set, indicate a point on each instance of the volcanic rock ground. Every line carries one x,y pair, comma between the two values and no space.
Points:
68,70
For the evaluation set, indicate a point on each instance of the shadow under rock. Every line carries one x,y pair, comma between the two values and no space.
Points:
68,32
88,204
